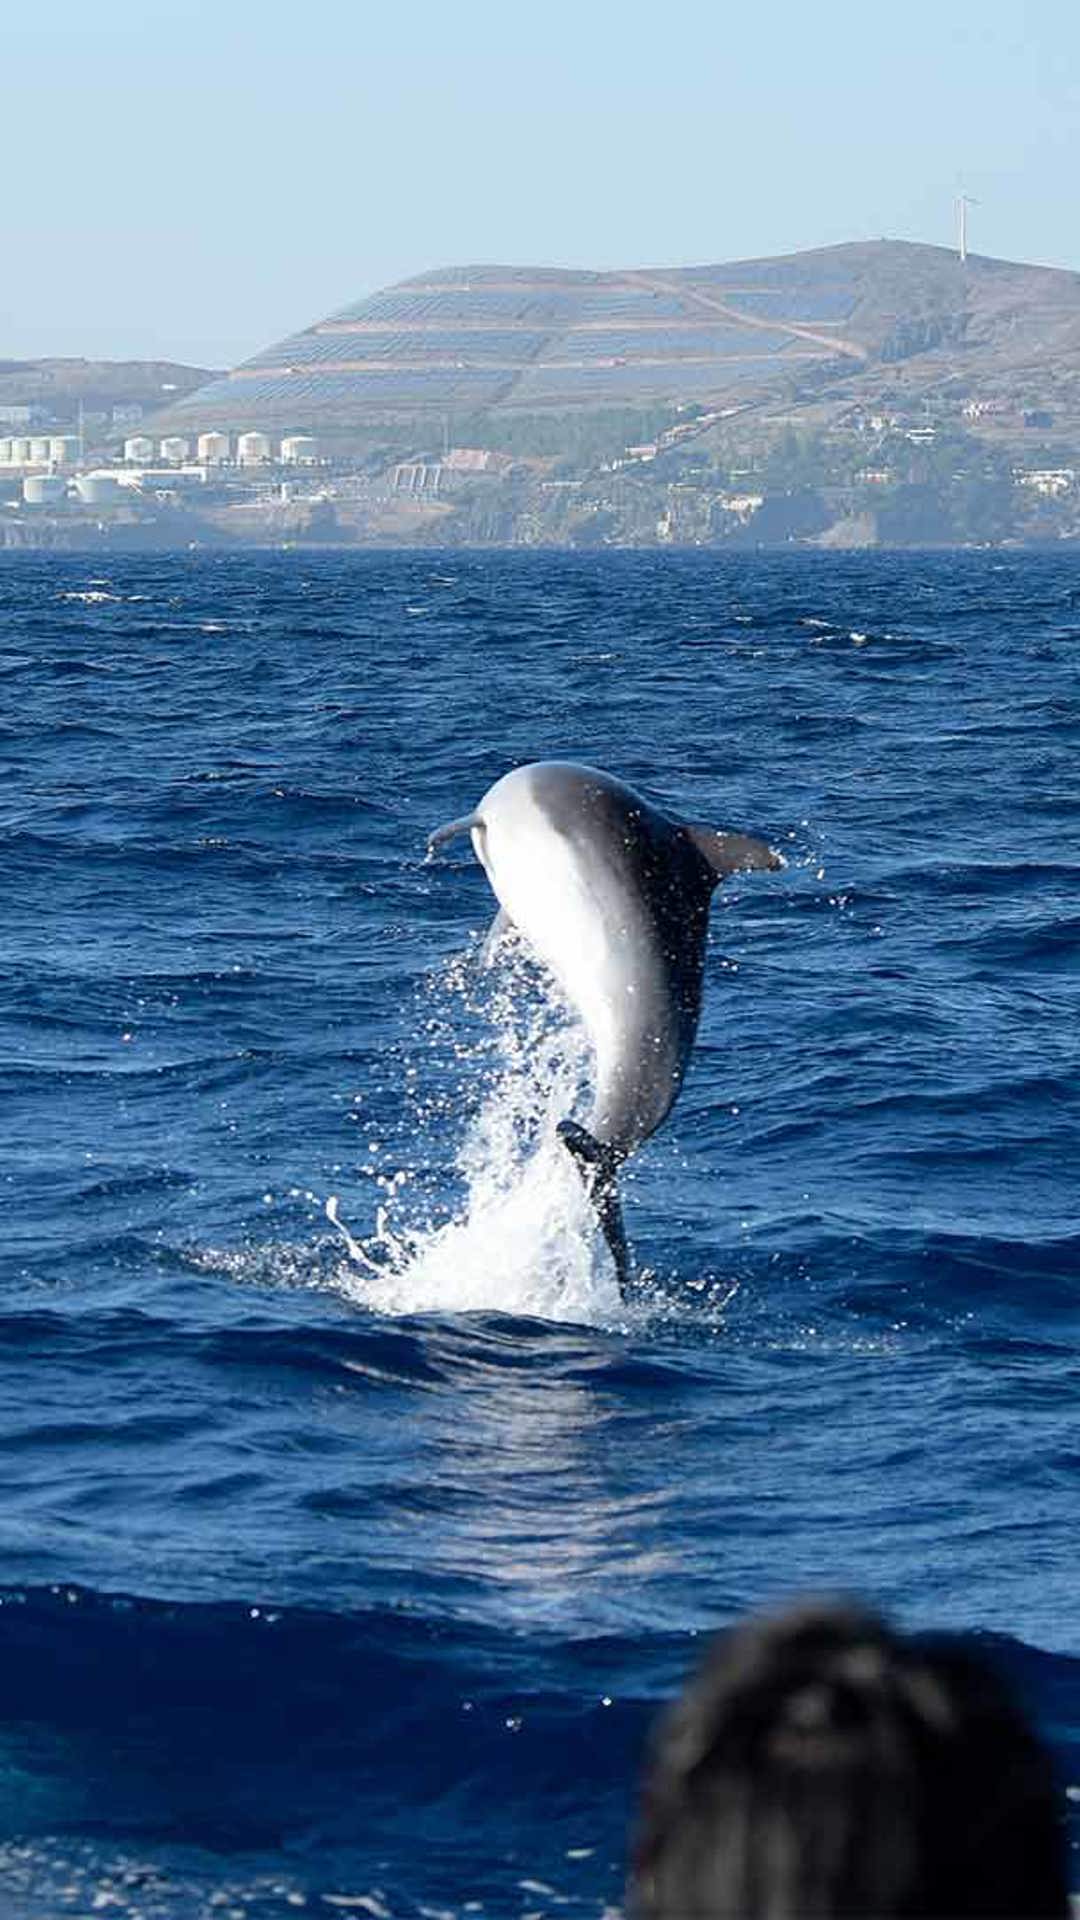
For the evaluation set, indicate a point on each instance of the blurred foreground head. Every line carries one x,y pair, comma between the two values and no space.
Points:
821,1764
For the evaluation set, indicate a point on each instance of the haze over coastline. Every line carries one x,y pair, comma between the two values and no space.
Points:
206,179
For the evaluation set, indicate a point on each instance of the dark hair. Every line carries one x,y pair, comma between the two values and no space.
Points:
821,1764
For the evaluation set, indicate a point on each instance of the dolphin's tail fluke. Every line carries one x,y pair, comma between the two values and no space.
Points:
598,1166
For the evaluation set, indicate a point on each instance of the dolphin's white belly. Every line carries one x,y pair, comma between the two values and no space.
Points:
588,927
551,897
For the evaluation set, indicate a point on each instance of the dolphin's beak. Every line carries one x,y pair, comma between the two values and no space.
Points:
452,828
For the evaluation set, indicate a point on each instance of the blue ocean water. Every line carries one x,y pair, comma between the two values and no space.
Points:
342,1566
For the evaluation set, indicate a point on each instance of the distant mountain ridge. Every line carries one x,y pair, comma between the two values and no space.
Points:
484,342
59,386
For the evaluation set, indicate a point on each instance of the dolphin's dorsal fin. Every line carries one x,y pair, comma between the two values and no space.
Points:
733,852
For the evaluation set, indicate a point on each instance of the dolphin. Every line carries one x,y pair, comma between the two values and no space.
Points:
613,896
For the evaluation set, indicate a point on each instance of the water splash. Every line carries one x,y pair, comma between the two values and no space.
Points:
524,1238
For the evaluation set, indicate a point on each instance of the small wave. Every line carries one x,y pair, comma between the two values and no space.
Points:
1046,947
332,1738
243,1726
989,879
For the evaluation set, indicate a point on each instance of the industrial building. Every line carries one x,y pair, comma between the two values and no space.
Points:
42,452
62,456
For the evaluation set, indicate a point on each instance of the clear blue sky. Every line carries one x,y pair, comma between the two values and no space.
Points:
192,179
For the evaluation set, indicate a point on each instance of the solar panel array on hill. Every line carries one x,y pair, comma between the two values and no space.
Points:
480,337
304,350
803,272
717,343
807,309
452,348
483,305
632,385
557,277
310,396
634,303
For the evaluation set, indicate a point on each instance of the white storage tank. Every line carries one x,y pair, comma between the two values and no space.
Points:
44,489
299,449
64,449
175,449
252,449
20,452
138,450
214,448
98,489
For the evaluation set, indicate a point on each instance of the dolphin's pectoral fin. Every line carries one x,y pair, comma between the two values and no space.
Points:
451,830
598,1166
734,852
502,928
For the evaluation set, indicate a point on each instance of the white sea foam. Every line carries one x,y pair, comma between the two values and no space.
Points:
523,1239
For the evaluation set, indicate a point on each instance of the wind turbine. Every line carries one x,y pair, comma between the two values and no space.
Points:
963,202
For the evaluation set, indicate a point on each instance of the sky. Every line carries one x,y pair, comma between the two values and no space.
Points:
194,179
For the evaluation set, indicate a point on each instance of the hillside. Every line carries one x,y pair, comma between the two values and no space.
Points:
500,347
56,389
878,393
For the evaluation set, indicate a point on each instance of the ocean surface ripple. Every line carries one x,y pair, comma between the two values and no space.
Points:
352,1527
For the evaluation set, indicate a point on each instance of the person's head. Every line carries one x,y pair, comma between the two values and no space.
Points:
820,1764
